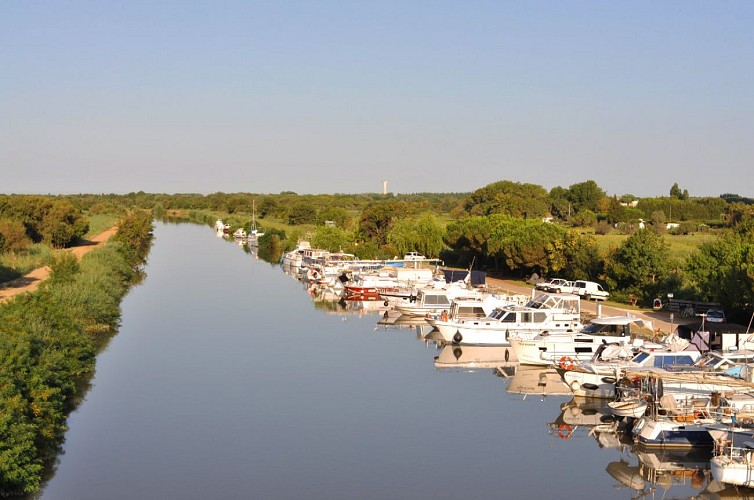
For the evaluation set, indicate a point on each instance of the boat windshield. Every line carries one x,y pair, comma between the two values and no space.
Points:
503,315
606,330
664,360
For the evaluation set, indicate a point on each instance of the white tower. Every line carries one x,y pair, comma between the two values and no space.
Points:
384,187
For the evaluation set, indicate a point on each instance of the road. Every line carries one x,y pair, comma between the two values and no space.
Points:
32,280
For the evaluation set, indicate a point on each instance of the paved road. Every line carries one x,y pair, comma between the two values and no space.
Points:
32,280
659,319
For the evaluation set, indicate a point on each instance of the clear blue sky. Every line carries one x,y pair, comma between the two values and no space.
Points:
334,96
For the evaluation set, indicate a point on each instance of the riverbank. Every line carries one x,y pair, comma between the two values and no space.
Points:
50,341
31,281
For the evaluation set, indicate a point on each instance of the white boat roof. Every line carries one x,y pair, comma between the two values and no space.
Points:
618,320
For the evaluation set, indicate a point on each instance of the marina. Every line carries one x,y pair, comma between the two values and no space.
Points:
273,386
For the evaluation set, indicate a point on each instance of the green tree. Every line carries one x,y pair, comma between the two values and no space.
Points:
508,198
583,258
13,236
639,265
63,224
585,196
331,238
135,233
337,215
422,234
585,218
723,271
302,213
377,218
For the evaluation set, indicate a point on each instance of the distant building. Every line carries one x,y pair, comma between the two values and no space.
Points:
631,204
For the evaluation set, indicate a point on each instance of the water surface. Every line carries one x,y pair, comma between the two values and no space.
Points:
226,381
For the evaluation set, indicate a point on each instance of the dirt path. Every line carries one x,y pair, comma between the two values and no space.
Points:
659,319
31,281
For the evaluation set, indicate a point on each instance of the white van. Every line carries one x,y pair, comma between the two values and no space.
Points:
589,290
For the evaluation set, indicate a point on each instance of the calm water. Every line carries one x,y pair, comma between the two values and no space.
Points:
226,381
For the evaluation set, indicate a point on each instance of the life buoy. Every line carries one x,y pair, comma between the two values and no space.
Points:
566,363
565,431
656,304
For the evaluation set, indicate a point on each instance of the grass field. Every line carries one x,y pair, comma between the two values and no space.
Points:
681,246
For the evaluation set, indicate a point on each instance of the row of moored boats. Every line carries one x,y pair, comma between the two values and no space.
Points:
668,394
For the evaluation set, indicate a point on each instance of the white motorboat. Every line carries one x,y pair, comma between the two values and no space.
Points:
736,467
239,234
434,300
295,257
682,371
552,348
635,407
544,313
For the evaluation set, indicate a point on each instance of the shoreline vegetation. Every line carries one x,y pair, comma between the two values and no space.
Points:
49,340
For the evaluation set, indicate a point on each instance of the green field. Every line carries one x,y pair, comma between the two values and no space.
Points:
681,246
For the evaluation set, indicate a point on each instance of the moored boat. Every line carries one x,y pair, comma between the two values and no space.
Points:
549,348
545,312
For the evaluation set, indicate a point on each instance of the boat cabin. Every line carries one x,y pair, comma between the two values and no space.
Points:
667,360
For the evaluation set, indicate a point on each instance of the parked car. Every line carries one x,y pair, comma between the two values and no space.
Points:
716,316
551,285
545,285
414,256
590,290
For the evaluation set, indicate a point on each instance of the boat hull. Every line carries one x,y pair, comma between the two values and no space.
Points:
732,471
670,434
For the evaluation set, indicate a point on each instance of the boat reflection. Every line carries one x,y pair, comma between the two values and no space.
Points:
665,470
539,381
592,415
329,300
392,320
474,357
669,468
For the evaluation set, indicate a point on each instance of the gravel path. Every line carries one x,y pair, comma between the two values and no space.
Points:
31,281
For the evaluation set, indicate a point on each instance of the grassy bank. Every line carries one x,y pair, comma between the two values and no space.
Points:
48,345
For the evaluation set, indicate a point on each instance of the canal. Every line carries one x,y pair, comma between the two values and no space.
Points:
225,381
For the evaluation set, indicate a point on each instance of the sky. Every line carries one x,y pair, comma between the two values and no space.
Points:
336,96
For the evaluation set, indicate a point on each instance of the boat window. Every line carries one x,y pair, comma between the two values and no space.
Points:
497,314
640,357
509,318
663,361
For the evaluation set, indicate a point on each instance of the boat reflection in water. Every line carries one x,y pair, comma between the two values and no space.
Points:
539,381
594,417
473,358
329,300
666,470
390,320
